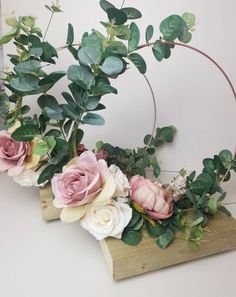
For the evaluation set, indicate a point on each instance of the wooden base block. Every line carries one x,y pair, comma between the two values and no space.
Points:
126,261
48,210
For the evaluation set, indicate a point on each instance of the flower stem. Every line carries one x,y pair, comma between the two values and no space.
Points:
73,146
49,23
123,3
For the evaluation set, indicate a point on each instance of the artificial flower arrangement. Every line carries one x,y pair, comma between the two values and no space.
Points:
106,189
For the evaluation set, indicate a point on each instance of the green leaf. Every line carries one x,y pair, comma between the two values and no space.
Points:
226,157
50,107
209,163
131,237
212,203
93,102
52,78
139,62
165,239
89,55
103,89
167,134
93,119
158,50
197,221
36,51
148,139
122,32
134,39
116,48
132,13
112,66
25,83
171,27
222,197
48,173
202,184
4,103
149,33
117,16
190,19
70,35
155,231
105,5
8,37
70,111
135,215
81,76
79,136
48,101
224,210
191,196
28,67
25,133
59,151
53,114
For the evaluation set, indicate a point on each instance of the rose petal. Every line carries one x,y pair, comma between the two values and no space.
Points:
107,192
70,215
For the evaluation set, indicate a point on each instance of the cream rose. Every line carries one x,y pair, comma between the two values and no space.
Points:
29,177
122,183
107,220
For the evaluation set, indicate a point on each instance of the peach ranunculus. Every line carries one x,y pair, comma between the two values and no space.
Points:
151,197
13,154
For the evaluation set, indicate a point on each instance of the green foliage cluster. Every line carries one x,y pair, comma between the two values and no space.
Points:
98,58
202,199
137,161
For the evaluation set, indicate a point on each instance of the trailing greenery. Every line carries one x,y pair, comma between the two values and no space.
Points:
99,56
199,203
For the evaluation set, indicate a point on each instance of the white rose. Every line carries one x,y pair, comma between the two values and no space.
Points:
107,220
122,183
28,178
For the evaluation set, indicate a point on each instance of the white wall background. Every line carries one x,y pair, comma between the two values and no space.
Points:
192,94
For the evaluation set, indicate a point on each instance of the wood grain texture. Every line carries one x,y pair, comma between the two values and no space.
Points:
125,261
48,210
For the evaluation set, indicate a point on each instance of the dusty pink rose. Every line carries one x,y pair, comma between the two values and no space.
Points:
102,155
81,148
155,201
13,154
80,182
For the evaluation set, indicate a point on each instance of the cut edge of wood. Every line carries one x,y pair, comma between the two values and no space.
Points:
108,257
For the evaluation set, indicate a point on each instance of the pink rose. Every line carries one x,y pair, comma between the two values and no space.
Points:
13,154
102,155
154,200
80,182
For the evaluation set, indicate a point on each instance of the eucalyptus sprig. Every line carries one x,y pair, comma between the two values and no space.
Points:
99,57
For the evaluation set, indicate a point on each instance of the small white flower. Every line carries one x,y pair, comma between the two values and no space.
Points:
28,178
177,187
122,183
107,220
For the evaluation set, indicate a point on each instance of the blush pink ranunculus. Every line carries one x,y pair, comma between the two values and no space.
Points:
154,200
80,182
13,154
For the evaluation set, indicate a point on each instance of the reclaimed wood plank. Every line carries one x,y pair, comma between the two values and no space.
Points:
125,261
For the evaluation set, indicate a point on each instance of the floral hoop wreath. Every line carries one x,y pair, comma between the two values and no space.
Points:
106,189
